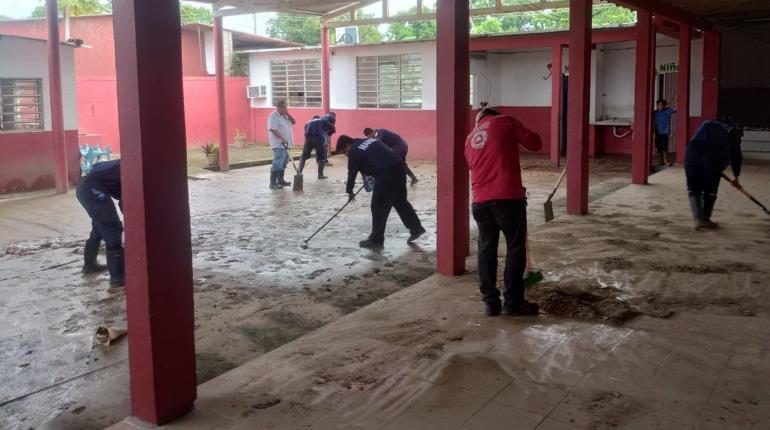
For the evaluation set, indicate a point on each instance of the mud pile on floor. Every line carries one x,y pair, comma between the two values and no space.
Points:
583,301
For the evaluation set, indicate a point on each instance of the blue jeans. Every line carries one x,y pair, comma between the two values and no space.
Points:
280,159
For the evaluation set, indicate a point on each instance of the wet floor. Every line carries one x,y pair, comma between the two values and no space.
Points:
427,357
255,287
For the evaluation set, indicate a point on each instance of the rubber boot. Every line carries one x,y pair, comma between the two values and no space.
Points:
321,171
274,185
302,165
696,206
708,208
91,250
116,264
281,181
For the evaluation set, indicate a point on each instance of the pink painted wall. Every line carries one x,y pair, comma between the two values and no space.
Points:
97,32
27,161
417,127
98,110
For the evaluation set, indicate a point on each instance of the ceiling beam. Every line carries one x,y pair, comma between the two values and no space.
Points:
347,9
658,7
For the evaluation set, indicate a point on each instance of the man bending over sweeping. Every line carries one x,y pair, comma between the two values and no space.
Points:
716,144
499,204
95,192
372,158
317,130
395,142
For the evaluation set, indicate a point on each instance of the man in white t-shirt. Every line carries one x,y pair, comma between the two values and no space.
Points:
279,126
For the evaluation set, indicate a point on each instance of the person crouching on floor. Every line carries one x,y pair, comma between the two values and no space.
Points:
499,204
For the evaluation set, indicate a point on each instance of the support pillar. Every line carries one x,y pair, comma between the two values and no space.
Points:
683,89
640,152
219,66
452,92
711,51
579,107
556,68
325,87
57,107
159,294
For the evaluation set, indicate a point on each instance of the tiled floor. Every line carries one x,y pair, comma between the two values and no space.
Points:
427,358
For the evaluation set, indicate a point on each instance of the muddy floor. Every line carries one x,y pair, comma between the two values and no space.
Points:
255,288
647,324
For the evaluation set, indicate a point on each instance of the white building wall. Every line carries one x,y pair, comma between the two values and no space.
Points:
208,50
503,79
619,68
25,58
520,78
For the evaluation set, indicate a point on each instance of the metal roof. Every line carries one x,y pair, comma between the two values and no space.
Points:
726,12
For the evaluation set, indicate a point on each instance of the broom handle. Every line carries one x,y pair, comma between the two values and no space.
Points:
745,193
561,178
333,216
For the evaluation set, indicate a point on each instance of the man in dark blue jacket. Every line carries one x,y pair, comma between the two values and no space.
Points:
715,145
395,142
317,131
372,158
96,192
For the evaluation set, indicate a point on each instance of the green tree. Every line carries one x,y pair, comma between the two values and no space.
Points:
76,8
295,28
195,15
38,12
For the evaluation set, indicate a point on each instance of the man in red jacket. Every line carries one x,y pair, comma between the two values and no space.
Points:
499,204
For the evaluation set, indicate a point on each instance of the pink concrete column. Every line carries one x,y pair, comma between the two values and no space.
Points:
219,65
578,110
325,85
57,107
556,68
159,294
452,92
640,152
683,96
711,51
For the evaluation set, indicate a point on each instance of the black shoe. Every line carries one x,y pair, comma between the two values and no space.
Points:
368,243
414,180
492,309
281,181
116,264
90,251
414,236
274,185
524,308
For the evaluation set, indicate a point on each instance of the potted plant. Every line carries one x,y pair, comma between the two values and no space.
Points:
211,150
239,140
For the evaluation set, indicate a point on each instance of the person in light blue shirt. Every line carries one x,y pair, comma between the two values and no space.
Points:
662,117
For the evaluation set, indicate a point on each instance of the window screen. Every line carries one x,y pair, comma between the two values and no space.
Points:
296,81
389,81
21,102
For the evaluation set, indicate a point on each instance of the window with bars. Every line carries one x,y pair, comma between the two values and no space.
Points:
296,81
389,81
21,104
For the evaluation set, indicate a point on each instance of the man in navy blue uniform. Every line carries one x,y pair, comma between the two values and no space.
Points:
395,142
371,157
715,145
96,192
317,130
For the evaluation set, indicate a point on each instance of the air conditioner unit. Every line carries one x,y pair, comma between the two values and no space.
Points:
347,35
256,91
